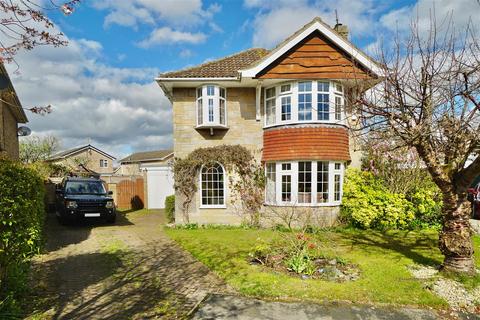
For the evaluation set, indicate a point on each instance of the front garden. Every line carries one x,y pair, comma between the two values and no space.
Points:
383,260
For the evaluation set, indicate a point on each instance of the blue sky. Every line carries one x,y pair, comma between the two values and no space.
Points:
101,85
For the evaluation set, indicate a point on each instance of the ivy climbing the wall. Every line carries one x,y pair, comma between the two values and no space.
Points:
246,178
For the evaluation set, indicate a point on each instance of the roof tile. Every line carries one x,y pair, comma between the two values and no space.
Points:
222,68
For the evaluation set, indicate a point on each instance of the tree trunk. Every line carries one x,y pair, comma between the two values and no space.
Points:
455,239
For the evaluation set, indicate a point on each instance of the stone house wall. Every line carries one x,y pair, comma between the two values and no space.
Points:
8,132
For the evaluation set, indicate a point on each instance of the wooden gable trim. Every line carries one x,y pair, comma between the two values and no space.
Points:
315,57
315,25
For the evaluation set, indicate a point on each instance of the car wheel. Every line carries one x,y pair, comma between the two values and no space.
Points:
62,220
112,219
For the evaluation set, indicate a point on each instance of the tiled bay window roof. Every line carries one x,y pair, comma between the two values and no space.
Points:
222,68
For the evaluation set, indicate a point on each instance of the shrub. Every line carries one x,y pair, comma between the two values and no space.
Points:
170,208
22,213
367,203
427,204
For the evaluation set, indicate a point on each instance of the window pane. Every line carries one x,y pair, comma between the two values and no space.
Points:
285,88
286,166
337,187
305,86
304,182
210,90
199,92
286,108
271,114
270,188
338,166
199,111
304,106
338,87
270,93
322,182
286,188
322,106
338,108
210,110
323,86
212,185
222,93
222,111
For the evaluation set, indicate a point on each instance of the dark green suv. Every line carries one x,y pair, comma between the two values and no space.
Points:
84,198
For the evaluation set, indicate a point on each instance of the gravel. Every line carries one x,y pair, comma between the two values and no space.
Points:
454,292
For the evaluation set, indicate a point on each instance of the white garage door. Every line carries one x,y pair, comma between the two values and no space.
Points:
159,186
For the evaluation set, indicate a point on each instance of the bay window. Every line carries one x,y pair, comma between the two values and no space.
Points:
304,101
211,106
304,183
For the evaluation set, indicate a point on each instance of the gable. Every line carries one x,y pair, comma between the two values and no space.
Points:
315,57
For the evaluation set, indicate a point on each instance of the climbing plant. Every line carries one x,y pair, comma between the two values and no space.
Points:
246,177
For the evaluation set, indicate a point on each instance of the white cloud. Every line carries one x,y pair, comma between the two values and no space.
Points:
166,35
461,12
119,109
186,53
132,13
273,23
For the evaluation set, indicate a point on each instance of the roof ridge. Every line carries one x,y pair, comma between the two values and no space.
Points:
214,61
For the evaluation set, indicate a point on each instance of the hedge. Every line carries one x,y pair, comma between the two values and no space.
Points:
22,212
170,208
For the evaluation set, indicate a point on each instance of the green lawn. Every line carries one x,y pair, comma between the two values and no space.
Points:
382,258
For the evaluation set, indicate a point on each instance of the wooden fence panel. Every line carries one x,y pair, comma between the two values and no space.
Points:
130,194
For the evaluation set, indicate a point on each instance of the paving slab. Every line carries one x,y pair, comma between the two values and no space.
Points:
218,306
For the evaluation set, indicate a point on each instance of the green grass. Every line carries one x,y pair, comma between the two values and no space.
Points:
382,258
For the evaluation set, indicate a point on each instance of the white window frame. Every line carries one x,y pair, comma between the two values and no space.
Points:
203,101
293,173
336,89
225,189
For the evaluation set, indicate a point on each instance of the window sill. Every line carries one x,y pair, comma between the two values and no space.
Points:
212,126
329,204
222,206
291,123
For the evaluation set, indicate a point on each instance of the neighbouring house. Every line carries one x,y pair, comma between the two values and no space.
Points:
11,114
139,161
291,106
86,157
156,169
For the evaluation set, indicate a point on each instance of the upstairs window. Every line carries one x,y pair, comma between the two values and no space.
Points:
103,163
211,106
305,101
270,100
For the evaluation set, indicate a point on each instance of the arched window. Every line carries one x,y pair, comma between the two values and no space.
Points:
212,182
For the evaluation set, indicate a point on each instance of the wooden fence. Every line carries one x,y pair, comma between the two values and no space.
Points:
129,194
128,191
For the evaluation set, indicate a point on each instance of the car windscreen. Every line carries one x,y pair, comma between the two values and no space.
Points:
85,187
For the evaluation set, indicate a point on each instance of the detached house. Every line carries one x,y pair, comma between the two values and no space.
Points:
89,157
290,106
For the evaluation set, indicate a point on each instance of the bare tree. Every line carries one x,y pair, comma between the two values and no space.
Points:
25,25
429,100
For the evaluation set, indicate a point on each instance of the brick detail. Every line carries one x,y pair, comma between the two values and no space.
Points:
306,143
